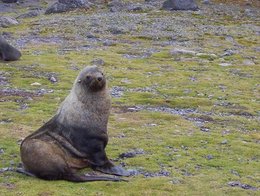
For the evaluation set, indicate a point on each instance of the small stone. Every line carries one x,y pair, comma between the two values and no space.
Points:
133,172
224,142
30,14
248,62
36,84
225,64
7,21
177,51
91,36
206,2
204,129
116,30
180,5
53,79
1,151
109,43
209,157
10,1
228,52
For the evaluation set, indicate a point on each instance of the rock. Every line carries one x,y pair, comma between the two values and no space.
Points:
212,56
239,184
177,51
67,5
109,43
209,157
228,52
135,8
53,79
180,5
36,84
7,21
91,36
131,153
224,142
30,14
204,129
117,91
116,30
206,2
8,52
116,6
225,64
248,62
10,1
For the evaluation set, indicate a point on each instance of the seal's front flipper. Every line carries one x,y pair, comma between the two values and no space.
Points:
110,168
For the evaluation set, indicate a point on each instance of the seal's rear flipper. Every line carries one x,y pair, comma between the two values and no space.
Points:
84,178
22,171
110,168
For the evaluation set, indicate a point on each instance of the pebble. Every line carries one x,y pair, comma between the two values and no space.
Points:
53,79
248,62
36,84
224,142
225,64
209,157
177,51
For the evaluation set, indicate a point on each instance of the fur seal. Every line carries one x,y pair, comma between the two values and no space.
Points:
76,137
8,52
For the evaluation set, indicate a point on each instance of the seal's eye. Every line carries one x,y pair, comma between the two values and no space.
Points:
88,77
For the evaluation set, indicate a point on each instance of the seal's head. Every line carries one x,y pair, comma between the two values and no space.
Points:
91,79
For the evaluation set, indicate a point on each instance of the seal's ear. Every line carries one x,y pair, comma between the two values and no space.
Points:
79,81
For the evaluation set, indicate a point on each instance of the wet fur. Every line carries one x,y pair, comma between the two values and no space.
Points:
76,136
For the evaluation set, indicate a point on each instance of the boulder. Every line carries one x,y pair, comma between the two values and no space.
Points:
7,21
67,5
9,1
180,5
29,14
8,52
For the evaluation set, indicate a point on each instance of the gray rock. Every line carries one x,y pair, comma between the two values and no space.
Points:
116,6
180,5
29,14
53,79
225,64
248,62
8,52
7,21
206,2
177,51
224,142
244,186
209,157
9,1
131,153
67,5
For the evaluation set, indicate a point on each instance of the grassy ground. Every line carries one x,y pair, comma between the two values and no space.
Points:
195,119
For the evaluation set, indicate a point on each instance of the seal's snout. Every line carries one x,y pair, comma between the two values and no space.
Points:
100,79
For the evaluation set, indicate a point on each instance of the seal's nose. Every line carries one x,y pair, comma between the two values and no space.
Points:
100,79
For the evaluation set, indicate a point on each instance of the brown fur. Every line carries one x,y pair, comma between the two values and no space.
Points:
76,136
